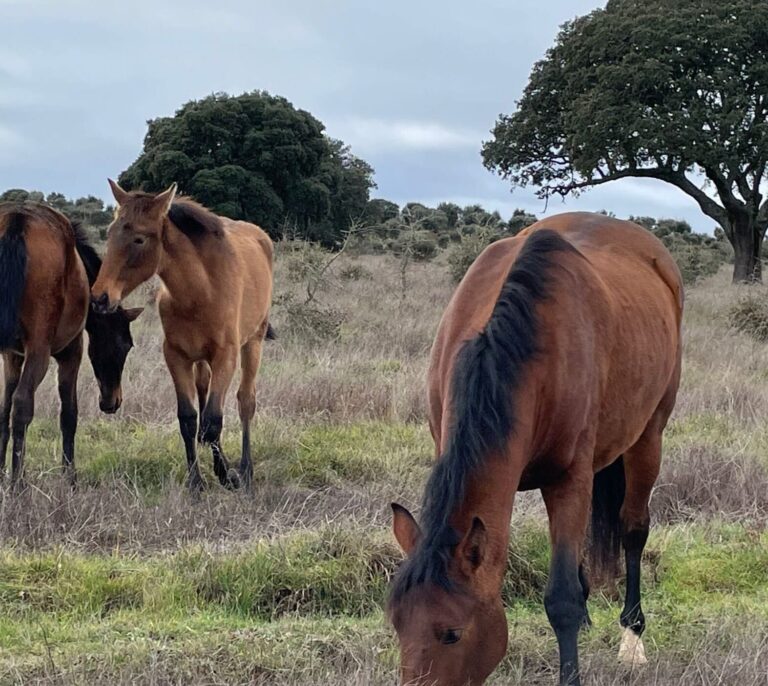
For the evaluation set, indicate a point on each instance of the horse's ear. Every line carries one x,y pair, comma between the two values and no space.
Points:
471,551
132,314
405,528
165,199
120,195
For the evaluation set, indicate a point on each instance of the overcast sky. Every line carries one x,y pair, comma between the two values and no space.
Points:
413,86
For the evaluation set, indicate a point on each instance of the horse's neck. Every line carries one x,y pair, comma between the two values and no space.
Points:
183,269
490,495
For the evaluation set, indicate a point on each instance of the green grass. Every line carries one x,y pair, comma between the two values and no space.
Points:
288,603
311,455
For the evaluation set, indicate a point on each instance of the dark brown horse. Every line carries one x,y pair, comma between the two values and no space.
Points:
46,266
216,277
555,367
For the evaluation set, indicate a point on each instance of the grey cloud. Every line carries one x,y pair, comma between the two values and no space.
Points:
414,87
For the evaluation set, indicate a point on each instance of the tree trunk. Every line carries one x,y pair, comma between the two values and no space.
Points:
747,242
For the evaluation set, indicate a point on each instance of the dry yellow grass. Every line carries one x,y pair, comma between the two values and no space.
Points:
128,581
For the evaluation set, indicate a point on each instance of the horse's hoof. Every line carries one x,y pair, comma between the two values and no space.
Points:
234,482
632,650
195,485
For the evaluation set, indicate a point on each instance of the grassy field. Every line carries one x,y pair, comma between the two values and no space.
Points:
129,581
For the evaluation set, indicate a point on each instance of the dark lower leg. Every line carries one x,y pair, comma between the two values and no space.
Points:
68,425
202,383
188,428
632,614
566,609
227,477
568,503
246,467
246,401
12,366
32,374
584,581
69,366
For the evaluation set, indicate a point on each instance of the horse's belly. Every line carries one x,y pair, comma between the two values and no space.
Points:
633,395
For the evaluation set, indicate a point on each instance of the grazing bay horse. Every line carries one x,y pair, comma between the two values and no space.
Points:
555,367
46,268
214,302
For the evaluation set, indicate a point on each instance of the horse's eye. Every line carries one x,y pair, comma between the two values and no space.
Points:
450,636
139,240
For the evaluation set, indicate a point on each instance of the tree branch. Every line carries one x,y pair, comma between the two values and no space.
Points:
762,215
730,201
675,177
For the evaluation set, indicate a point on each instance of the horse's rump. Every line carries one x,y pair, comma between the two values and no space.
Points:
13,270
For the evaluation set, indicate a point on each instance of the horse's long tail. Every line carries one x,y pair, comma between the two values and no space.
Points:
605,541
13,274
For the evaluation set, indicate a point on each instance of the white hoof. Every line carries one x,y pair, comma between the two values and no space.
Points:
632,650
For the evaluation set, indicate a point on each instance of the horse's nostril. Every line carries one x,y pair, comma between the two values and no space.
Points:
100,303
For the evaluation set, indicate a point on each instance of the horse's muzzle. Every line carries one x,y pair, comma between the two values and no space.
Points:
101,305
109,406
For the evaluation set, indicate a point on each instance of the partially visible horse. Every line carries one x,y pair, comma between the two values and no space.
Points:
46,266
555,367
216,276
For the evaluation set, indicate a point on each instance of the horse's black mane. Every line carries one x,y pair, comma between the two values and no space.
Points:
193,219
190,217
88,255
485,377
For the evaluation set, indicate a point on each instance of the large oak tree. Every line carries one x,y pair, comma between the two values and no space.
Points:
256,157
674,90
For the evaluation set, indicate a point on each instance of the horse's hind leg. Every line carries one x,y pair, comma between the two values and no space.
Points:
33,372
202,383
641,467
12,365
642,463
69,367
246,402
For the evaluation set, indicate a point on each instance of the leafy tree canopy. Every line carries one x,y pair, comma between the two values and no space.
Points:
258,158
661,89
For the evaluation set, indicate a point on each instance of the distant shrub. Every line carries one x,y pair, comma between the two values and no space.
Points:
309,321
461,255
697,256
355,272
421,245
303,260
750,316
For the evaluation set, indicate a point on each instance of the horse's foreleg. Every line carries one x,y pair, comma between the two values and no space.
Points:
246,403
69,367
12,365
222,370
182,373
33,372
568,504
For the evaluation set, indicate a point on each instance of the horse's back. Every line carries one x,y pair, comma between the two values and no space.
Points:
253,252
609,329
619,249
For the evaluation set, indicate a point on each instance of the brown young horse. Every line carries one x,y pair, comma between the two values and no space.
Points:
216,277
46,268
556,366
